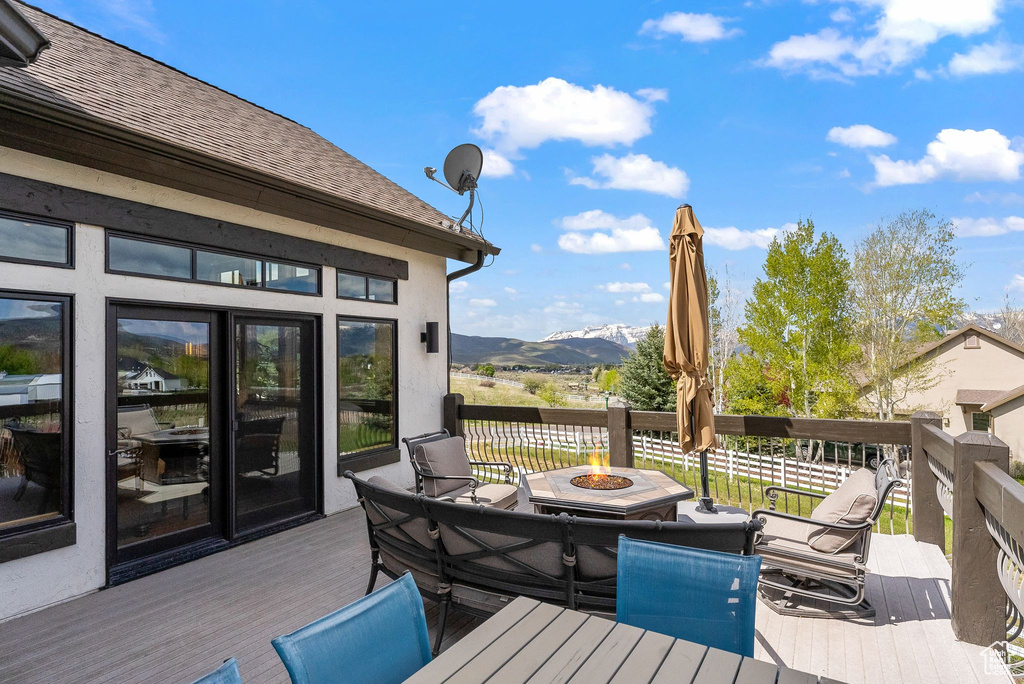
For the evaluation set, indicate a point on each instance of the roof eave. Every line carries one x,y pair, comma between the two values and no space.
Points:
272,191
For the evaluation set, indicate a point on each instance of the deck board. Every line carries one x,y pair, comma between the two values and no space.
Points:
178,624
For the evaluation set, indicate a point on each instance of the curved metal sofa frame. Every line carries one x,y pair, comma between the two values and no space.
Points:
477,559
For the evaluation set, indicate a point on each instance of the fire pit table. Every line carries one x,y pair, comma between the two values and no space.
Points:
618,493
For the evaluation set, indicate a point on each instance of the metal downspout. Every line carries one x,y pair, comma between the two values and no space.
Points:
455,275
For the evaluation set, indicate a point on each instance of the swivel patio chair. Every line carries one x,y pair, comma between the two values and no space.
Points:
708,597
225,674
825,556
444,471
380,638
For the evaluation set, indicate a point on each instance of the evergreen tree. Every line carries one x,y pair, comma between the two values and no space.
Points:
643,380
799,329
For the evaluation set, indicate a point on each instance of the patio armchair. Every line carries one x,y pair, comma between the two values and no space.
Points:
381,638
708,597
825,556
444,471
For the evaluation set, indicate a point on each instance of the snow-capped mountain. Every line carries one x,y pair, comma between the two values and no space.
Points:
626,335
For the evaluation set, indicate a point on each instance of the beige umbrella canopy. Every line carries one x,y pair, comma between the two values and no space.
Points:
687,334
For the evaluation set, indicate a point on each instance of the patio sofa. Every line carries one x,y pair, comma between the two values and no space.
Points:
477,558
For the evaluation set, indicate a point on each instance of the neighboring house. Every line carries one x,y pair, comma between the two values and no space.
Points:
977,385
145,214
155,380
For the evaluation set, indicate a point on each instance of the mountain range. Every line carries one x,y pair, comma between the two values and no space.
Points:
506,351
625,335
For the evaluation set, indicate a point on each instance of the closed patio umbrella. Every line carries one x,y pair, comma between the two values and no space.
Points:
687,339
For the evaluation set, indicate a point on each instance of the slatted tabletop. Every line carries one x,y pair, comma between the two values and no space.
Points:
535,642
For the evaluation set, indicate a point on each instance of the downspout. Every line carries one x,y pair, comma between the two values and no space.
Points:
455,275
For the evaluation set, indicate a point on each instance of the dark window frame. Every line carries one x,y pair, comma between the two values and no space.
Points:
988,419
69,227
366,287
195,249
378,456
21,540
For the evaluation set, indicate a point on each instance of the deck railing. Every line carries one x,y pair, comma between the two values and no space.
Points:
965,479
754,452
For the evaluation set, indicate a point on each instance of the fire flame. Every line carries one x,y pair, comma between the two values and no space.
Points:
598,469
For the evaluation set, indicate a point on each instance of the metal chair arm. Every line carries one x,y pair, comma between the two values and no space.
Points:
500,464
760,514
473,482
772,494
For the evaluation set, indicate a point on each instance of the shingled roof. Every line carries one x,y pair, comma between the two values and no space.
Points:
88,76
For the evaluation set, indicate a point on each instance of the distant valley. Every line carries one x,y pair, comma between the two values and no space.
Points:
505,351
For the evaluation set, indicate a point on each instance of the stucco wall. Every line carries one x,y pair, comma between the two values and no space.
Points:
993,366
34,582
1008,423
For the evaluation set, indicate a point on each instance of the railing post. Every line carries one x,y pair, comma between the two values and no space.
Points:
451,420
979,602
929,519
620,436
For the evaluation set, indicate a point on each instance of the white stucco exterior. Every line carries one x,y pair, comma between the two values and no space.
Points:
31,583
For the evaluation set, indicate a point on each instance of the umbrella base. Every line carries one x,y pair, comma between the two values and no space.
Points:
706,505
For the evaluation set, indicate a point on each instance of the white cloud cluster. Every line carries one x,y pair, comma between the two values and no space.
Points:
962,155
901,31
496,165
692,28
482,303
598,232
732,238
986,227
524,117
988,58
618,287
860,135
650,298
635,172
1017,283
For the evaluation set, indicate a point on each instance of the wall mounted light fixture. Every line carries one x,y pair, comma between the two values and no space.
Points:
429,338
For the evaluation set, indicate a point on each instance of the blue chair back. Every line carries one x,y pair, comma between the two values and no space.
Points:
225,674
380,638
708,597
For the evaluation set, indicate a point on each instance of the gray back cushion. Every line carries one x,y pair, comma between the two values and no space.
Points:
415,528
443,457
852,503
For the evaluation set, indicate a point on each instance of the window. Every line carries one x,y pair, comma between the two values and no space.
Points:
35,241
367,389
156,259
981,421
356,286
972,342
35,444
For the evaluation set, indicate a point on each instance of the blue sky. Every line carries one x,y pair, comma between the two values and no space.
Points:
600,118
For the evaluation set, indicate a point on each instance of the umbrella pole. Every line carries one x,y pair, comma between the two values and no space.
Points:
707,504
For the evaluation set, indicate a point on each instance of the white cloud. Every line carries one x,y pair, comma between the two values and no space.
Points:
619,288
898,32
564,308
511,290
136,15
1004,198
523,117
482,303
496,165
845,173
733,238
667,285
860,135
650,298
986,227
636,172
966,155
841,15
653,94
626,266
536,249
1016,283
989,58
632,234
458,286
922,74
693,28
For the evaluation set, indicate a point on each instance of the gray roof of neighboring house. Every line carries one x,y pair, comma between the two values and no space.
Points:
88,76
1003,398
977,396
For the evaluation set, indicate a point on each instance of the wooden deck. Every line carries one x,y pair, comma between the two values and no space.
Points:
183,622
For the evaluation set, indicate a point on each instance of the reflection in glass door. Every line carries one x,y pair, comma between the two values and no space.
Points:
275,422
165,452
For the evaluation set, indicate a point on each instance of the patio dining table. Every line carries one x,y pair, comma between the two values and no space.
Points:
529,641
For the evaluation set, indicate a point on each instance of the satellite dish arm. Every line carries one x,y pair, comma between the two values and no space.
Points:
472,196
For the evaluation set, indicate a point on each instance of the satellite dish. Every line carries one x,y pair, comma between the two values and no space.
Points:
462,167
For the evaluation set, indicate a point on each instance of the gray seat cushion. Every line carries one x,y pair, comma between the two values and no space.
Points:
443,457
851,504
493,495
784,545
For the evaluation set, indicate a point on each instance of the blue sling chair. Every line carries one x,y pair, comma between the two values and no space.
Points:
225,674
380,638
707,597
